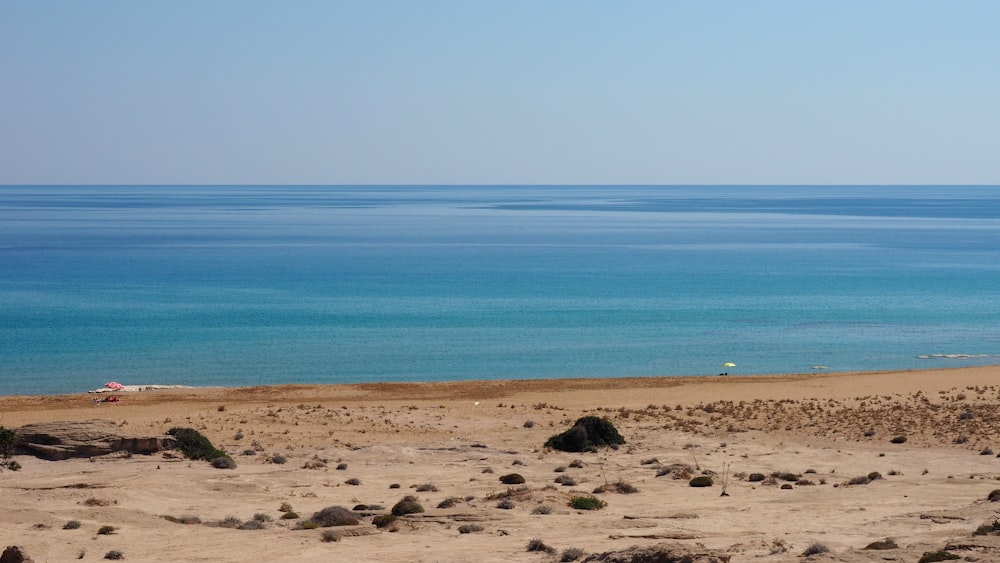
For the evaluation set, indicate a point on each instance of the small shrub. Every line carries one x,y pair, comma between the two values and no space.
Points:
815,549
252,525
512,479
994,496
986,451
106,530
859,480
506,504
72,525
228,522
383,520
308,525
335,516
542,509
290,515
394,486
933,556
756,477
701,481
566,481
330,536
469,528
785,476
285,507
425,487
987,529
341,467
529,423
8,441
279,459
887,543
576,463
587,503
898,440
194,445
249,452
538,545
587,434
571,554
261,517
874,476
223,462
560,469
353,481
448,502
114,555
408,505
620,487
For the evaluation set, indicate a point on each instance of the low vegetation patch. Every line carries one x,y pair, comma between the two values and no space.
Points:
587,434
408,505
538,545
940,555
469,528
815,549
620,487
194,445
335,516
384,520
512,479
8,439
587,502
701,481
898,440
106,530
887,543
988,529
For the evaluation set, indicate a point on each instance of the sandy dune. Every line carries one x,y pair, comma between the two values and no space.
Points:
826,429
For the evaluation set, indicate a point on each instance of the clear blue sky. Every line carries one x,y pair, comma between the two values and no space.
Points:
495,92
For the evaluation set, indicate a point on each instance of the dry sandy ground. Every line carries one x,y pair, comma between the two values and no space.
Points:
462,437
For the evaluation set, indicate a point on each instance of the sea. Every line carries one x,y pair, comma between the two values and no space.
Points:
256,285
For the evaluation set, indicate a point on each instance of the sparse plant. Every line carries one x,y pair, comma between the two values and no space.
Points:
72,525
538,545
815,549
353,481
587,502
252,525
542,509
194,445
8,440
114,555
408,505
469,528
290,515
701,481
571,554
506,504
587,434
335,516
620,487
341,466
566,481
988,529
329,536
887,543
529,423
279,459
106,530
512,479
448,502
223,462
426,487
934,556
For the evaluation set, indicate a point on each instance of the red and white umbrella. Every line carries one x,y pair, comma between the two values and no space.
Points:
114,386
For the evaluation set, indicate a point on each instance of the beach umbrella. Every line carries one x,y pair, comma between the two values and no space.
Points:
729,365
114,386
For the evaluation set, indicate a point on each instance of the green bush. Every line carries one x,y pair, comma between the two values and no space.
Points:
194,445
8,439
587,434
701,481
587,503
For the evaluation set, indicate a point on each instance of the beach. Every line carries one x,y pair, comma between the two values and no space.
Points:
836,476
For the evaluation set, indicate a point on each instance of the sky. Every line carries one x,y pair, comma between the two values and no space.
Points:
499,92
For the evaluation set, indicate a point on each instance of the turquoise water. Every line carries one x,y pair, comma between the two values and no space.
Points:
248,285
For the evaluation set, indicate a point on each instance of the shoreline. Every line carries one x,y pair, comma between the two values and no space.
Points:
825,445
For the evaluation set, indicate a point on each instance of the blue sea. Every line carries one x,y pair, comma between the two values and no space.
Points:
250,285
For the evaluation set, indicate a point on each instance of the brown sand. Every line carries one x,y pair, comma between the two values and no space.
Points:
461,437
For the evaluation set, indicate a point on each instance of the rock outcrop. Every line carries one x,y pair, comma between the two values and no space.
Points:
86,438
661,553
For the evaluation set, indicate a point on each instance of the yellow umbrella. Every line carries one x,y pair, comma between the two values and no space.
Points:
729,365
